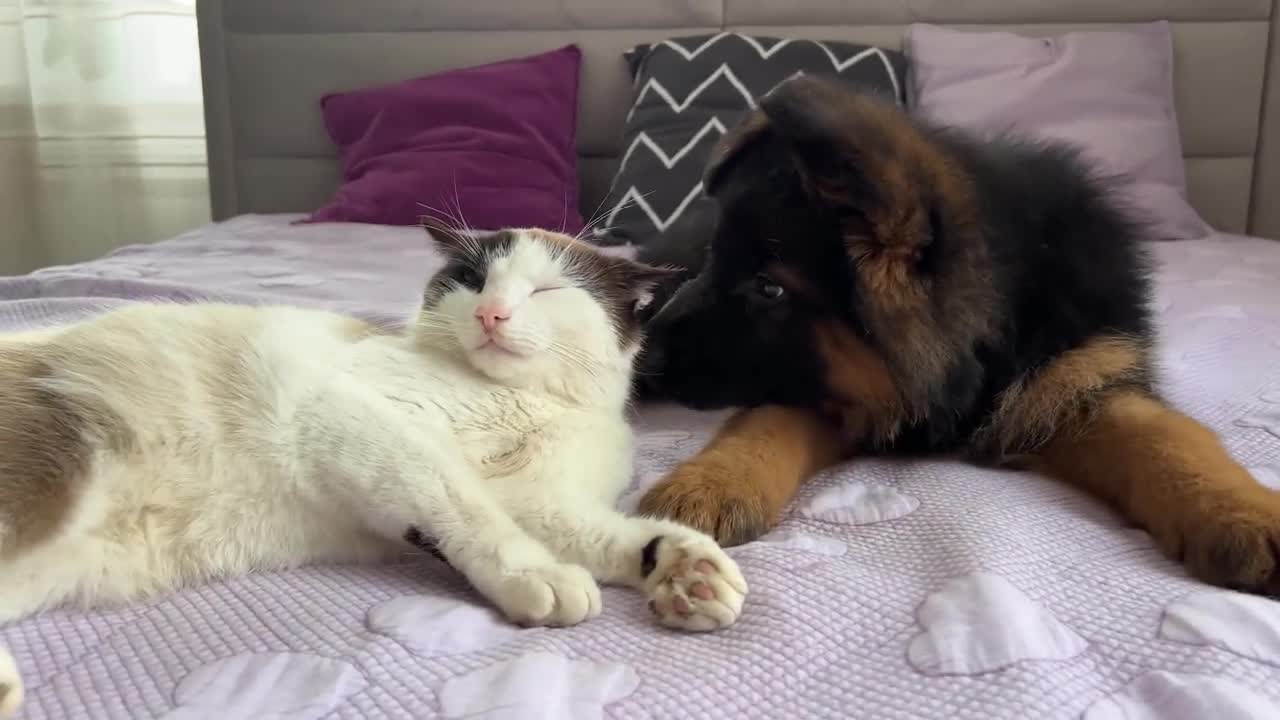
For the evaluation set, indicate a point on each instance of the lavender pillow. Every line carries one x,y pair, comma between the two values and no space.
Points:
494,143
1108,92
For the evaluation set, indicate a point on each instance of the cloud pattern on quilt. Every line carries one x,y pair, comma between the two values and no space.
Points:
858,503
283,686
537,686
980,623
431,626
1265,417
1170,696
805,542
1246,625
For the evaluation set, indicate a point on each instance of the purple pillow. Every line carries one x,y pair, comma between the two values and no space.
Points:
1108,92
493,143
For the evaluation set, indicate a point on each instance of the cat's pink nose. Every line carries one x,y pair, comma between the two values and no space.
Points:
490,315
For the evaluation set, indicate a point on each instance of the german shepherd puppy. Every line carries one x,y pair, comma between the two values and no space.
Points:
877,284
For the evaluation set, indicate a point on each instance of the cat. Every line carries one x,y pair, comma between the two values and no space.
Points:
161,445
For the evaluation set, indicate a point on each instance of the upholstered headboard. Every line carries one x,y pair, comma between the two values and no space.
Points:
267,62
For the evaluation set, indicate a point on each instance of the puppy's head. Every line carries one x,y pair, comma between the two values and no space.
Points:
843,232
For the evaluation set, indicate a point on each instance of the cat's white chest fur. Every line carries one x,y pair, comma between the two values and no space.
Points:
502,431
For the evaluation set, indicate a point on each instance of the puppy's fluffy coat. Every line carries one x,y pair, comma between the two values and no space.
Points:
878,284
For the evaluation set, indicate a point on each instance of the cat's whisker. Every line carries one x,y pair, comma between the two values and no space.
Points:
457,224
445,217
564,211
577,358
597,216
473,242
603,213
434,325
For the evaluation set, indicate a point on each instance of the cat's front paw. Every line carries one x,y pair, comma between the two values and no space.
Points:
692,583
555,594
10,685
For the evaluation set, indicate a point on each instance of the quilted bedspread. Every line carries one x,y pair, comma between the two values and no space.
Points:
894,589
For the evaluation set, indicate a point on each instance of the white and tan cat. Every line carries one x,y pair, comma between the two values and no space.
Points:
161,445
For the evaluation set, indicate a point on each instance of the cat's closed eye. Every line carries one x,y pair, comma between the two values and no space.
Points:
469,277
548,288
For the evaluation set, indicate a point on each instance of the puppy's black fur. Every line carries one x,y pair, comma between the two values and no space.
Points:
966,265
908,288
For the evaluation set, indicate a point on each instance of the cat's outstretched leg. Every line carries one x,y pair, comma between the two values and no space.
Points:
10,685
512,569
691,583
403,480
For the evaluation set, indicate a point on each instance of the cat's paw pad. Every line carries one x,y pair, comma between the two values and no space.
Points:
693,585
555,594
10,685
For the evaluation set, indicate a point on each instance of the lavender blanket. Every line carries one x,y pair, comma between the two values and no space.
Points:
892,590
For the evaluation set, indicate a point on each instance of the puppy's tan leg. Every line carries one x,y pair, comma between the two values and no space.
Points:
736,488
1173,477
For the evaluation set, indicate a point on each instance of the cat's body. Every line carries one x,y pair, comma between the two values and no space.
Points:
160,446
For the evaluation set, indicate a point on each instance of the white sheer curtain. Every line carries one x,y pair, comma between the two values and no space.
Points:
101,127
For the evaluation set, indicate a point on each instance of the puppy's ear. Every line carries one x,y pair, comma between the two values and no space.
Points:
860,156
746,133
451,240
816,119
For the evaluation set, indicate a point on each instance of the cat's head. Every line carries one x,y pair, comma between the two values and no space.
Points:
533,307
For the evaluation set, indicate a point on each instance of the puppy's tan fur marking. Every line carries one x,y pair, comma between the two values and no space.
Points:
918,337
1173,477
737,487
864,396
1061,398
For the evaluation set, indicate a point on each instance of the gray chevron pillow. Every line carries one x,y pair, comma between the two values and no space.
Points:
689,90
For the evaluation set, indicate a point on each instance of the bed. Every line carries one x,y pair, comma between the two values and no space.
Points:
893,589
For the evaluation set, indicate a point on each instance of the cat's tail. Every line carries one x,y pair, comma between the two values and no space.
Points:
10,685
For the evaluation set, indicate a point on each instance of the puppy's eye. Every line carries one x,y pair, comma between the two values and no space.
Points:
768,289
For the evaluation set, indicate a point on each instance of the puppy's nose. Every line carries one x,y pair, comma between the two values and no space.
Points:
490,315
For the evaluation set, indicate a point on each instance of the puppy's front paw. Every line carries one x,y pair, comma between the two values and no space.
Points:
555,594
1226,537
716,499
10,685
693,585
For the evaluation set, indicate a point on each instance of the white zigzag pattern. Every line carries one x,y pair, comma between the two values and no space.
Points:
669,161
632,195
691,54
727,73
766,54
842,65
724,71
838,64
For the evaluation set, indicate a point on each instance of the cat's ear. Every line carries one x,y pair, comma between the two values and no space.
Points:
449,239
642,279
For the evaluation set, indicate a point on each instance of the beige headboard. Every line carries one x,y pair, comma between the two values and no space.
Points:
267,62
